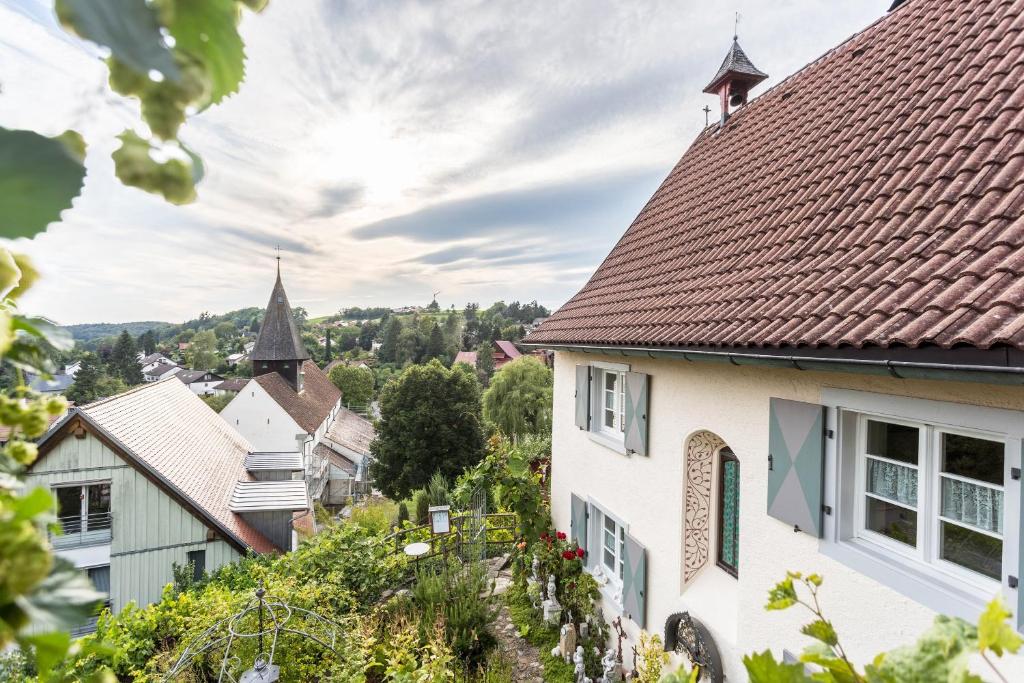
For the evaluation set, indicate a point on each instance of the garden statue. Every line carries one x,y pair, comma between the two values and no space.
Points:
567,641
584,629
580,671
612,668
535,570
552,610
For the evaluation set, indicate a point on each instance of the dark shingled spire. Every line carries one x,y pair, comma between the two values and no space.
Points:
279,338
736,66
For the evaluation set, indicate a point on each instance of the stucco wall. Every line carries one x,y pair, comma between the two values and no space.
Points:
149,530
647,493
261,420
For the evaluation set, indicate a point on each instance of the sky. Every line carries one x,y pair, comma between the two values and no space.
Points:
483,150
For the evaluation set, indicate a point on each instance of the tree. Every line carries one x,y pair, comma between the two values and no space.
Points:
484,363
92,382
355,383
430,422
409,348
433,306
204,350
124,360
300,315
389,343
218,401
147,342
367,334
435,345
327,346
225,330
518,400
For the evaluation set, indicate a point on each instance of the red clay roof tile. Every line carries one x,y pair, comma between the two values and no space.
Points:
875,198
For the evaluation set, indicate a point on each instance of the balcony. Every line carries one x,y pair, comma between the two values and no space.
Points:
79,530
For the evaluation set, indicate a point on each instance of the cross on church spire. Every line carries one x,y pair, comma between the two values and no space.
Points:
278,249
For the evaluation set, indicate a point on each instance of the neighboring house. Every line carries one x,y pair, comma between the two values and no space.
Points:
230,386
201,382
153,360
249,346
71,369
503,352
806,353
346,445
235,358
289,404
151,478
161,371
57,384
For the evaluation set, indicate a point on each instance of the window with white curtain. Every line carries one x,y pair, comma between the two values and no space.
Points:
612,411
932,494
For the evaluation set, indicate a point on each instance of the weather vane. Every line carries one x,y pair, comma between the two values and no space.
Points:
736,27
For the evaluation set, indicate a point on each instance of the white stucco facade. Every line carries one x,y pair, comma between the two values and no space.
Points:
646,494
264,423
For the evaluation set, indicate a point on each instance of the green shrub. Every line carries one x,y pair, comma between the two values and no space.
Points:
376,516
541,635
438,491
421,503
403,513
455,599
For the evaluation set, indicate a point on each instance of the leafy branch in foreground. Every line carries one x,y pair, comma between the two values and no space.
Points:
41,597
941,654
177,57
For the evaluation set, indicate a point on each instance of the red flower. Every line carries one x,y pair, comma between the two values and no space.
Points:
561,536
580,553
568,554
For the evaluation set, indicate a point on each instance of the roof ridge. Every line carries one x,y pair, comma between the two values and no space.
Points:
131,390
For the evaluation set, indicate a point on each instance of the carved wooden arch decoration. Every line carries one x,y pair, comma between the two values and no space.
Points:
700,456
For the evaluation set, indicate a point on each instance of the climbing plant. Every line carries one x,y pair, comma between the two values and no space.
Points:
176,57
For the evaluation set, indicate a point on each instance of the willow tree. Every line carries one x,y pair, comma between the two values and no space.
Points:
518,400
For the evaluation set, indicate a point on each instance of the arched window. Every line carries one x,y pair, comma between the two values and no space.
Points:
728,512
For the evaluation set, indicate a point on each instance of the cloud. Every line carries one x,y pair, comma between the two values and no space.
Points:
572,207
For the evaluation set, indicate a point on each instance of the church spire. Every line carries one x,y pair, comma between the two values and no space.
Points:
734,78
279,346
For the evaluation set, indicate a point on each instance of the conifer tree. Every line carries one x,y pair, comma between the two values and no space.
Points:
124,360
435,345
389,343
484,363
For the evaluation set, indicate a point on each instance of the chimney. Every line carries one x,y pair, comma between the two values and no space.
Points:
734,79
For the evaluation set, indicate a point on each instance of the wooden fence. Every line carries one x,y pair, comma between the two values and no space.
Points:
499,529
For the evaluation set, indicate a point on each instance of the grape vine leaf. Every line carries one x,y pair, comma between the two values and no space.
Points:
129,28
207,30
39,178
762,668
994,631
134,165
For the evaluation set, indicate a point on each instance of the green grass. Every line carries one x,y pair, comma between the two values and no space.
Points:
542,636
377,515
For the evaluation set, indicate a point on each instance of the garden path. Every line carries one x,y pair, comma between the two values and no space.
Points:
528,668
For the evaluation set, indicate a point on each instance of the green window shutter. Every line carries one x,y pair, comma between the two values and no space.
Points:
796,463
634,581
636,413
578,525
583,397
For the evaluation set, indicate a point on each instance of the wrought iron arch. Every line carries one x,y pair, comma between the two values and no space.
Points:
689,637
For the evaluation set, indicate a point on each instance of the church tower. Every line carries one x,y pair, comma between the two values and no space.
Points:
279,346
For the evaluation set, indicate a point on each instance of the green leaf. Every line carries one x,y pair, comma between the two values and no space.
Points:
45,330
835,669
26,355
36,502
39,177
61,601
995,632
207,30
940,654
128,27
782,595
821,630
762,668
135,166
49,648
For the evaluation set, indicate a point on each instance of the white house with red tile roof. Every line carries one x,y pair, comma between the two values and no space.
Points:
289,404
807,352
153,477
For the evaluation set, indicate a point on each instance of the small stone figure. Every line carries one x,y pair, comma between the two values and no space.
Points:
567,641
580,670
551,592
552,610
584,629
612,669
535,569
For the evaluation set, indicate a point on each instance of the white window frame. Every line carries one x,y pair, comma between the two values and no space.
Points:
940,585
929,521
611,437
609,581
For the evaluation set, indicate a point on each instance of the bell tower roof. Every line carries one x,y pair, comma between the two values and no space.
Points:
736,68
279,337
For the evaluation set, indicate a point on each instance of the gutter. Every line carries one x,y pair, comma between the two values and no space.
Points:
900,369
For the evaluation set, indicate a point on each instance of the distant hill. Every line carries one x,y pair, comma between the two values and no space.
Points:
87,332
